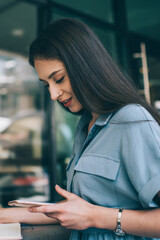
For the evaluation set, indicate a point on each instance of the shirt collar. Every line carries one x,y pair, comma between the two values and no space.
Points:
103,119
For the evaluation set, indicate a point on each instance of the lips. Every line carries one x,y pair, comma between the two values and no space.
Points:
67,102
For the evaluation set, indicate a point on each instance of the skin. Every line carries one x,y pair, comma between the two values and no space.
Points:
54,76
75,212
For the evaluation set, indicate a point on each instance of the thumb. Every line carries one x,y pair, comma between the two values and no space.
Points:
62,192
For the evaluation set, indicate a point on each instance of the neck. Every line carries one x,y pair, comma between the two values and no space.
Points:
92,121
94,117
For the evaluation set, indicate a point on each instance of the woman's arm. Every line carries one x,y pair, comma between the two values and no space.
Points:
76,213
22,215
144,223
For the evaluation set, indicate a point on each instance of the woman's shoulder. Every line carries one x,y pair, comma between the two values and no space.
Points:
131,113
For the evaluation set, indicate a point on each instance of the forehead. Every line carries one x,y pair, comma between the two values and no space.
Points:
47,66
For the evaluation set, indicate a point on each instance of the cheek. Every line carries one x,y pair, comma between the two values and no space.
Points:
68,88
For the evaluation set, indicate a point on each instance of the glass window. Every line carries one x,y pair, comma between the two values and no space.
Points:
106,36
143,17
154,77
18,22
22,174
101,9
21,171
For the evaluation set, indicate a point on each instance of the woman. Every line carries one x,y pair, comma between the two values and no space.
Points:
113,178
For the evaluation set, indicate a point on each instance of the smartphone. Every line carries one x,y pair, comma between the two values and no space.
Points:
21,203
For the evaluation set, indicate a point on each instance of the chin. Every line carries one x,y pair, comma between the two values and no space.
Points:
75,110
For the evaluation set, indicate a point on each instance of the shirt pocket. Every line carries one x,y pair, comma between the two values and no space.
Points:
98,165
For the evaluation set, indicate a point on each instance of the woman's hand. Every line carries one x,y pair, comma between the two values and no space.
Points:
74,213
19,214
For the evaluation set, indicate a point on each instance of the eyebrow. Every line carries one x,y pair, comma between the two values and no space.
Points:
51,75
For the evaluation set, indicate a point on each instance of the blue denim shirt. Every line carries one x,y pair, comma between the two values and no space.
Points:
117,164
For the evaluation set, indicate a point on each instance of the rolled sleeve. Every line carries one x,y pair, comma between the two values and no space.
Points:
149,190
141,157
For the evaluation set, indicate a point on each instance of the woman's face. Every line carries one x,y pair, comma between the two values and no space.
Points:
54,76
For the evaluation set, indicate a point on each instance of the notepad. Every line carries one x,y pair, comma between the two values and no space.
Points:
10,231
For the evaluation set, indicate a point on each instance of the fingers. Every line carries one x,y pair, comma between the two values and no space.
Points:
57,207
44,209
53,215
47,211
63,192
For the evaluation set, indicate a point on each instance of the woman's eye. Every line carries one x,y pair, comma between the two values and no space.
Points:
46,85
60,80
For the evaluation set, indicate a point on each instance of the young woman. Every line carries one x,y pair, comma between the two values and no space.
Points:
113,178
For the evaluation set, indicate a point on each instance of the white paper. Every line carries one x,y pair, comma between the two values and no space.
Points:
10,231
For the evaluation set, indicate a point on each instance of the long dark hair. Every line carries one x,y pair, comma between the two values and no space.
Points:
99,85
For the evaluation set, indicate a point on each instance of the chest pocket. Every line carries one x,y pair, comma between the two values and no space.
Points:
98,165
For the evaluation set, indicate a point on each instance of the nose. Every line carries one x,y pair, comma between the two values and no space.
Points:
54,93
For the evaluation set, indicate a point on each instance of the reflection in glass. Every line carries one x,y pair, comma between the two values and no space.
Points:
101,9
22,174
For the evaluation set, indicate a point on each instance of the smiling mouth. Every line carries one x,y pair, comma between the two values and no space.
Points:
67,102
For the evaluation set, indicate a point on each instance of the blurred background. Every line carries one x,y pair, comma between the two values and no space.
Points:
36,135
